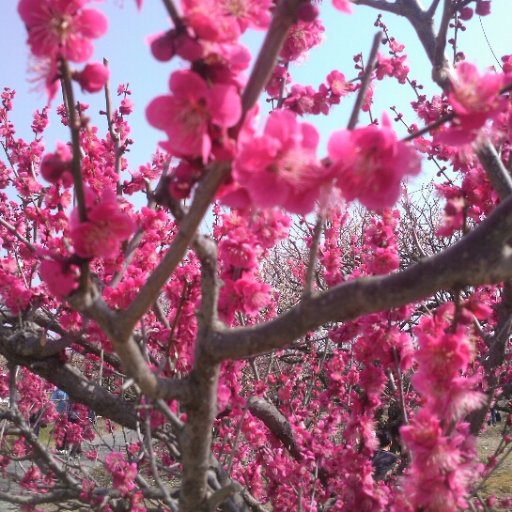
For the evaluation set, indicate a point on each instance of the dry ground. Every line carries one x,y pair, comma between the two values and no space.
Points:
500,482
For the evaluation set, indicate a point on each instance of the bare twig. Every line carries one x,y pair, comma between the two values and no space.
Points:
365,81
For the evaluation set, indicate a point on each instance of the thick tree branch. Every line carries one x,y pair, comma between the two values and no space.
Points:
439,62
380,5
80,389
188,226
482,256
497,172
276,423
433,7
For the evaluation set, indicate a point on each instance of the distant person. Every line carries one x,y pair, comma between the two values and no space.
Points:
383,461
35,420
61,400
75,449
92,416
495,416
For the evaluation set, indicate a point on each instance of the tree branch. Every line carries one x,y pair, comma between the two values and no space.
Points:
497,172
380,5
439,62
188,226
365,81
482,256
276,423
285,15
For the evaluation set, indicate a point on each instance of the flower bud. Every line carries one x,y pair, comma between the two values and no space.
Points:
93,77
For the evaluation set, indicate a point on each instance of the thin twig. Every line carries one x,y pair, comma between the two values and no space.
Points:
152,463
16,233
113,134
365,81
174,14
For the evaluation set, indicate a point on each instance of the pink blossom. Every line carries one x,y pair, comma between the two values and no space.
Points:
475,98
466,13
225,20
103,231
61,28
342,5
280,167
187,114
369,164
126,107
338,84
57,166
123,472
61,277
302,36
93,77
40,122
237,254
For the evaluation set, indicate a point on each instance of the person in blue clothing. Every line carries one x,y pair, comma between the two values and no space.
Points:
61,400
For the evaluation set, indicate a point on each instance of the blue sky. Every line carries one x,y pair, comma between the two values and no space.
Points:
131,61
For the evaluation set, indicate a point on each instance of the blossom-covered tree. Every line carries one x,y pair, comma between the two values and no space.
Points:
251,365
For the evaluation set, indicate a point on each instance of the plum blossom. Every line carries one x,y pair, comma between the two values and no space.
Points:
57,166
483,7
280,168
302,36
369,163
475,98
342,5
60,276
123,472
126,107
225,20
61,28
104,230
187,113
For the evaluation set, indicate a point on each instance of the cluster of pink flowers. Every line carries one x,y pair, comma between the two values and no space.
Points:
441,448
331,385
475,99
369,163
123,472
306,100
106,226
57,166
241,244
